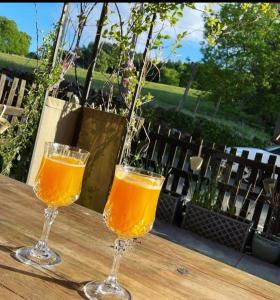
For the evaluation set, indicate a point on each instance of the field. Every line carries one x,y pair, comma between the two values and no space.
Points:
165,96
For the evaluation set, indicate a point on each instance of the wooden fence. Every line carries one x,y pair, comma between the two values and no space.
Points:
11,95
169,151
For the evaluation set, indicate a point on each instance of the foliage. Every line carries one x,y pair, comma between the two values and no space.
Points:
11,39
32,55
246,55
170,76
143,18
209,129
20,138
50,71
270,186
165,96
205,194
106,61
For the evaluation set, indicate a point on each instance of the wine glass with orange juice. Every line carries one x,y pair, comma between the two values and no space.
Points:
130,213
58,183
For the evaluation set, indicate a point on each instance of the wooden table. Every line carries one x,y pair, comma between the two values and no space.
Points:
155,269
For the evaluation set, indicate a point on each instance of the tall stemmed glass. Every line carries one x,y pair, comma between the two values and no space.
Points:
130,213
58,183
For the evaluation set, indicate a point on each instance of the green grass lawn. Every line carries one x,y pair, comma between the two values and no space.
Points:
165,96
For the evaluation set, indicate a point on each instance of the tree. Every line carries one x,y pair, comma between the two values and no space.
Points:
11,39
32,55
170,76
247,56
106,60
187,89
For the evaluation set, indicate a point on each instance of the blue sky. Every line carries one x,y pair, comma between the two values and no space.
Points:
48,13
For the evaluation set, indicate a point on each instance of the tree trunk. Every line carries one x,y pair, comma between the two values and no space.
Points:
93,60
55,52
198,99
217,106
184,98
276,134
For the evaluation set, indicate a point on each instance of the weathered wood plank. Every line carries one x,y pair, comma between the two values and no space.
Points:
19,97
251,184
12,110
2,85
206,154
172,151
161,148
227,176
12,91
259,205
21,93
101,134
241,167
181,163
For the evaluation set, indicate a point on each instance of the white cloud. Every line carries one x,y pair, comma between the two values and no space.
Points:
192,21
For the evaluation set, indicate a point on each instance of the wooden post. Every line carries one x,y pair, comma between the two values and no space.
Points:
184,98
90,70
95,47
135,37
138,86
54,59
101,134
60,33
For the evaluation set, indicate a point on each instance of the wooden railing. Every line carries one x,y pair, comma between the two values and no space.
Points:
169,151
11,95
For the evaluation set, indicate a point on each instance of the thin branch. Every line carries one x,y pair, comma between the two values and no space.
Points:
82,23
37,34
120,19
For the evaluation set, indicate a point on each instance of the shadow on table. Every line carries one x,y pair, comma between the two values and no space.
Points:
76,286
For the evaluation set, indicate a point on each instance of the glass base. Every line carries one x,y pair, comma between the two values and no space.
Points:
101,291
40,258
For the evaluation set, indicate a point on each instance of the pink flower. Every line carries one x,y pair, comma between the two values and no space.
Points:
130,64
125,81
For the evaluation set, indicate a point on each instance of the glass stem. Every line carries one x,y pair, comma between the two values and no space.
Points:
50,214
120,247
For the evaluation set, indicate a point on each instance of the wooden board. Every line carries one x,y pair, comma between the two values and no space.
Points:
101,134
154,269
57,124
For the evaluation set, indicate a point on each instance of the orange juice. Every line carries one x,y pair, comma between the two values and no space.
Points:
131,206
59,180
